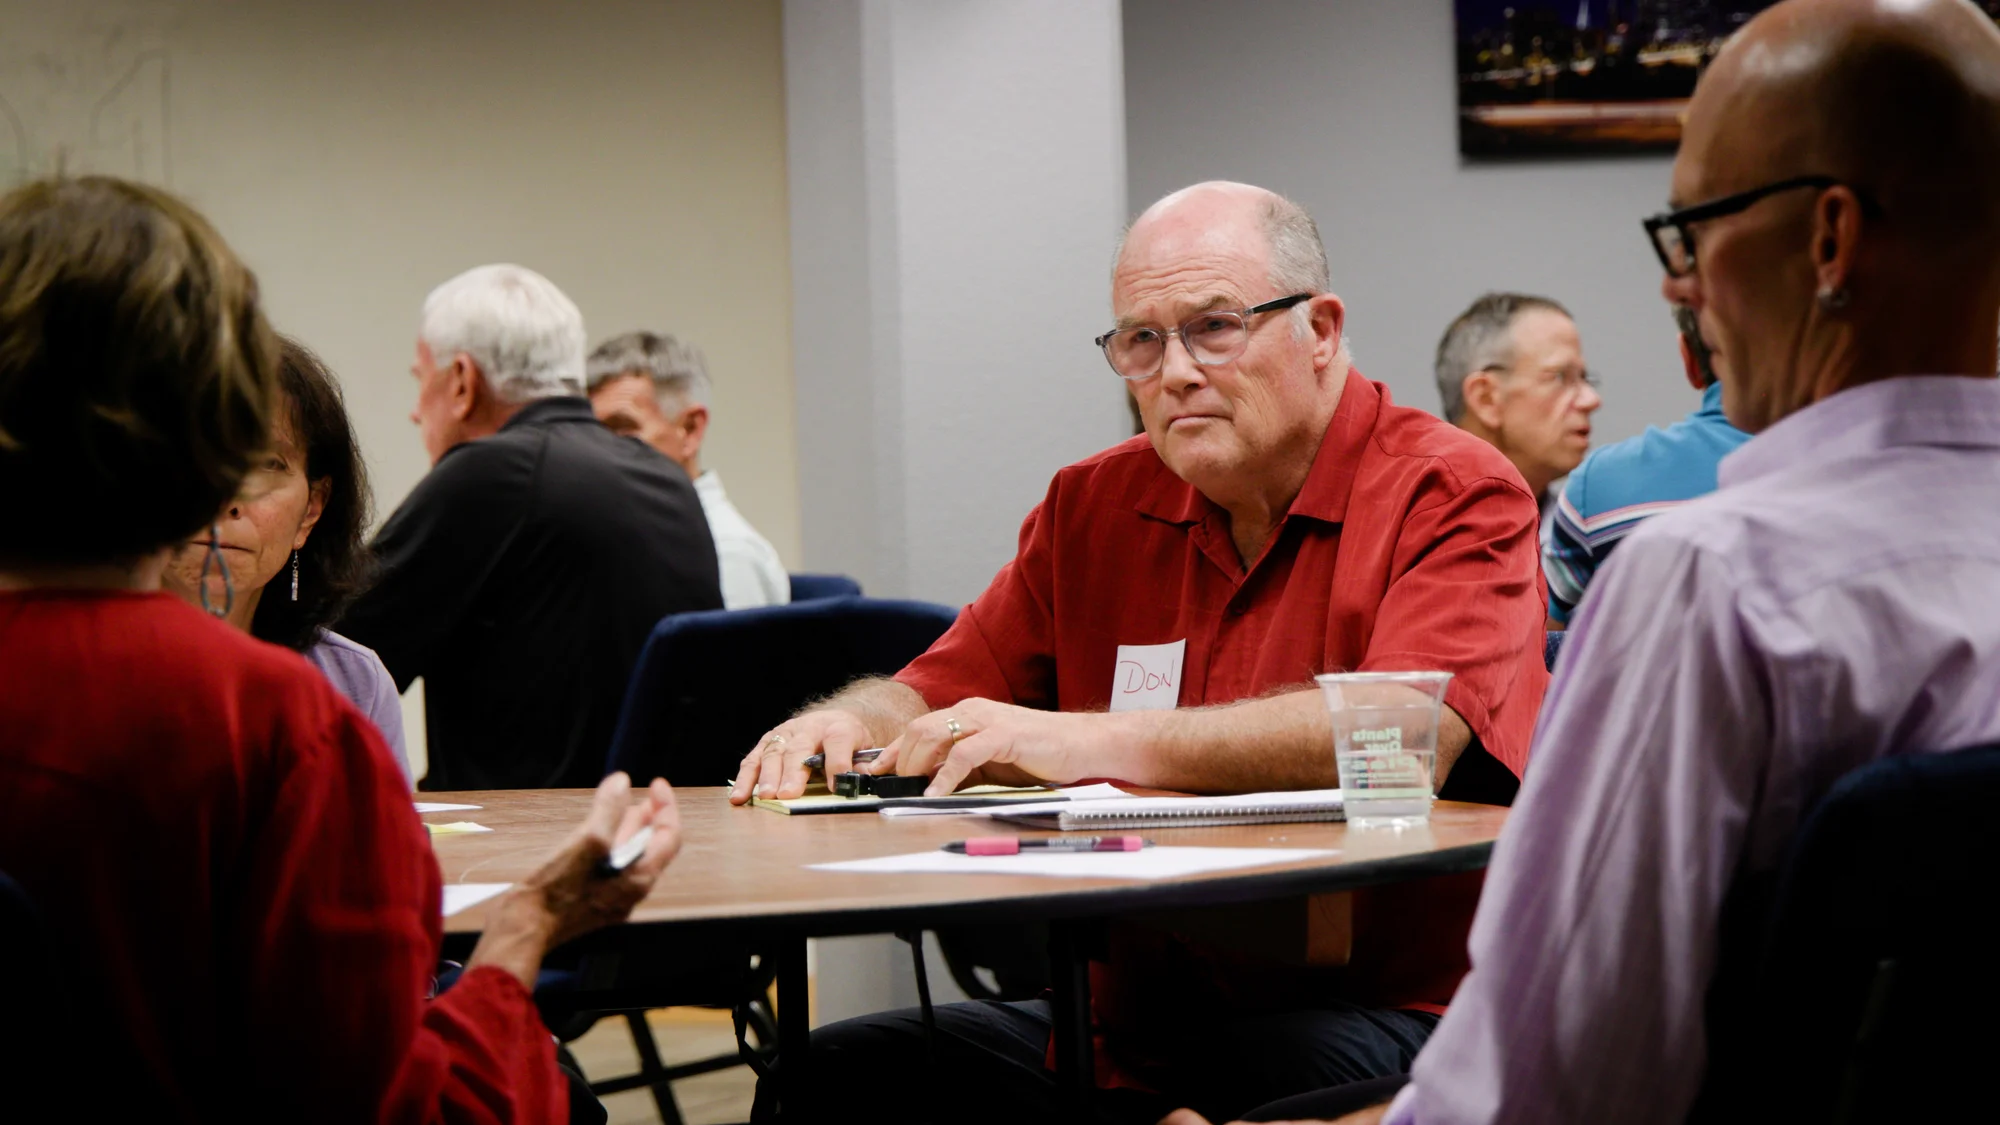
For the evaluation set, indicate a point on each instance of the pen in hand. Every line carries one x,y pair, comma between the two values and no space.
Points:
1015,845
626,854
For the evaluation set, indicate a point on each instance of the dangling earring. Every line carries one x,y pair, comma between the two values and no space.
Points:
1833,300
295,576
213,556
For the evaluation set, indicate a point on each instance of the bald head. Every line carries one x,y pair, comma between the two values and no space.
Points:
1900,98
1241,213
1809,287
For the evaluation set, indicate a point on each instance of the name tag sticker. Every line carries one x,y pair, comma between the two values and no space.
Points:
1148,677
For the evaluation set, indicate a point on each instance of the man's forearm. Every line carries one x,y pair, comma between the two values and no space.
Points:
885,706
1278,742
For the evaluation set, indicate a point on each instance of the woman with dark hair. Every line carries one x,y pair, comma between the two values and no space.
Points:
237,898
298,518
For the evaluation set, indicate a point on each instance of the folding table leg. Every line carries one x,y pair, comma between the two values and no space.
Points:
795,1089
1069,968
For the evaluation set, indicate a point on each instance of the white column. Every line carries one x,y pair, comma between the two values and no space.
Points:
957,175
957,178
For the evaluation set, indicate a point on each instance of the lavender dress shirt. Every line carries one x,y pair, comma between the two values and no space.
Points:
1838,601
359,675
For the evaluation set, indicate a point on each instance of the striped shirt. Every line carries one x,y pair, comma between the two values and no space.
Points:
1622,485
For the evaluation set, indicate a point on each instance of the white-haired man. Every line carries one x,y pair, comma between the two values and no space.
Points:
654,387
523,574
1280,517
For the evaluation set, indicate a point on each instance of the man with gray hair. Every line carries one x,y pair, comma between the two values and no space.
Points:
1171,600
522,575
1510,372
654,387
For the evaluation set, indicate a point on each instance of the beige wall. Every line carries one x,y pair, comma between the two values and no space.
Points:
357,152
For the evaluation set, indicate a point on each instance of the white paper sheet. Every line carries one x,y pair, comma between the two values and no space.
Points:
1184,806
1150,863
460,896
1102,791
434,806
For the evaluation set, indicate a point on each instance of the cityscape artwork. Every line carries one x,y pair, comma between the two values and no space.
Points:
1546,77
1541,77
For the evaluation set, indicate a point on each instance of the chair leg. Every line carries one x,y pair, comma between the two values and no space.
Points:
651,1067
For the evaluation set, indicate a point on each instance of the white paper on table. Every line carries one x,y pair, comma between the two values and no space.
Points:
1102,791
434,806
1147,863
462,896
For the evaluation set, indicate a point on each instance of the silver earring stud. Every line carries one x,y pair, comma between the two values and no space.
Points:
1833,300
295,576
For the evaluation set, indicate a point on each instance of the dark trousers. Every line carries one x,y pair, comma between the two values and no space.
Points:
990,1064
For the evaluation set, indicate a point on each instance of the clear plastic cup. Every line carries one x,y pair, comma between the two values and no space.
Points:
1385,727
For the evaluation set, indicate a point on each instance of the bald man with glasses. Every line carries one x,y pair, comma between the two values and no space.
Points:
1171,601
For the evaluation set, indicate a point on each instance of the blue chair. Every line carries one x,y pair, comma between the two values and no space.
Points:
1859,982
709,684
814,587
706,687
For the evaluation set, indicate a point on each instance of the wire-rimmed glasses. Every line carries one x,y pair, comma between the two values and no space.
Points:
1211,338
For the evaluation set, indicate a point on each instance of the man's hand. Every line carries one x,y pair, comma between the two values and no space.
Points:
568,898
776,766
1001,742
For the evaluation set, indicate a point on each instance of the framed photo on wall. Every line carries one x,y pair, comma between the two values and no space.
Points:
1551,77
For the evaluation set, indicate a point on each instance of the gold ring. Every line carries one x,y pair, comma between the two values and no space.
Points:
951,725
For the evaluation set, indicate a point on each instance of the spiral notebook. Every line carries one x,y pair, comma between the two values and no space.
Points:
1179,812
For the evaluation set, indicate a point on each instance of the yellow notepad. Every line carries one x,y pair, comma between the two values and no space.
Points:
817,800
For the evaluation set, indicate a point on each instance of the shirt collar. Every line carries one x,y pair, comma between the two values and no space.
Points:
1711,401
1324,495
1909,410
560,408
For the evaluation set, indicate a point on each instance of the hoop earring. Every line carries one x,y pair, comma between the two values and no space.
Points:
213,555
295,576
1833,300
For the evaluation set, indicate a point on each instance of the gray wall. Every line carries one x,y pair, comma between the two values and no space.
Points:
1348,106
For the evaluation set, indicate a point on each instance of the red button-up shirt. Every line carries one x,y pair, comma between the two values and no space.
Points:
1411,546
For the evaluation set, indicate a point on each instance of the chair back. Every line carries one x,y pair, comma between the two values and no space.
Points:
33,1026
1859,983
813,587
709,684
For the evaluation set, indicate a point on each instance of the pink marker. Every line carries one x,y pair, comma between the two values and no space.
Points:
1015,845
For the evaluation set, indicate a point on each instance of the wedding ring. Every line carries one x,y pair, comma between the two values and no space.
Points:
775,739
951,725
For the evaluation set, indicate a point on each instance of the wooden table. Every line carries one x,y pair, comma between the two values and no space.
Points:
742,874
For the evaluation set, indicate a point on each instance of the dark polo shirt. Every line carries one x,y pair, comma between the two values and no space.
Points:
520,579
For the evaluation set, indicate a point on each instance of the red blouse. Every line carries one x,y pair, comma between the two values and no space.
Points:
244,905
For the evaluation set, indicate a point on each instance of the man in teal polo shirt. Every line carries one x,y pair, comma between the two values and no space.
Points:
1621,485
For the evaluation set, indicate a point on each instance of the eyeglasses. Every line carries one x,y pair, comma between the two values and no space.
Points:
1571,381
1672,232
1211,338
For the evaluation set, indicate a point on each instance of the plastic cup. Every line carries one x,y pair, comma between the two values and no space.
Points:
1385,728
